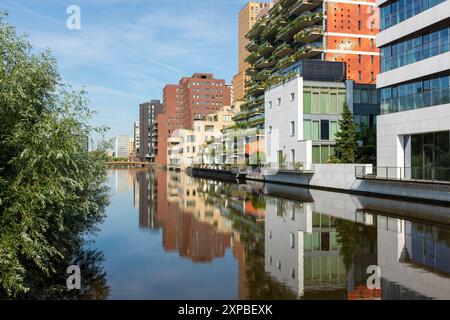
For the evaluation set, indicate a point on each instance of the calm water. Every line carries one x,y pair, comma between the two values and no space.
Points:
169,236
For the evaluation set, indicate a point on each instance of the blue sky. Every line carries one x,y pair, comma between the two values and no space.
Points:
127,50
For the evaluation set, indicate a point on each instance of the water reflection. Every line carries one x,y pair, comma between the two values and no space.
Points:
259,241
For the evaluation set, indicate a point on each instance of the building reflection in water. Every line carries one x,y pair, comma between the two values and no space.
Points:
292,243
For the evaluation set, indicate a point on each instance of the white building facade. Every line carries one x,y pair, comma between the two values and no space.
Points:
121,146
414,127
301,119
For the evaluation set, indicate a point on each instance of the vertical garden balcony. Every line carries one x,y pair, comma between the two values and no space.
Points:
309,34
302,6
283,50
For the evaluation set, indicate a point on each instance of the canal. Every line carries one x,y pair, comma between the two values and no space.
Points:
169,236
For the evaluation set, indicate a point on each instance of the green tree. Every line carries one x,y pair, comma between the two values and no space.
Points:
367,152
52,189
346,138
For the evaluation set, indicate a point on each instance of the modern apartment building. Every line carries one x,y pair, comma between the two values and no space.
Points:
147,117
137,137
247,18
294,30
201,95
121,146
314,103
192,146
131,151
192,99
414,128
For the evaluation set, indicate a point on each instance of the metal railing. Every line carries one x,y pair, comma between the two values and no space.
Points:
424,174
298,167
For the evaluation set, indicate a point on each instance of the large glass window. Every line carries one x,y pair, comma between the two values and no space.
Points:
398,11
415,95
315,130
307,130
307,102
415,49
324,101
315,102
430,156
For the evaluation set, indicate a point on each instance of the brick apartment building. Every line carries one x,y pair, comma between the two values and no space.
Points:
191,99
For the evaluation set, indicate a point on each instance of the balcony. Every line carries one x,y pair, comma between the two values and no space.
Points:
252,46
255,32
266,48
287,3
310,50
283,50
252,57
309,34
264,63
273,27
251,72
304,5
305,20
264,75
256,90
287,61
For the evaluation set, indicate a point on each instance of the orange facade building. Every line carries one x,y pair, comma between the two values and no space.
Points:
350,37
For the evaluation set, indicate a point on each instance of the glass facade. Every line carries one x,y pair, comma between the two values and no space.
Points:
430,156
415,49
398,11
415,95
323,101
320,130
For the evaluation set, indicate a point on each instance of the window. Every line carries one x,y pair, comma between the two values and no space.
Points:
359,58
292,131
292,96
315,130
324,130
307,102
307,129
315,102
333,104
270,104
324,102
293,155
333,130
270,130
359,25
279,102
292,240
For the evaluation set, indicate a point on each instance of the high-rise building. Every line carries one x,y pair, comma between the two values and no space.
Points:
131,146
247,18
341,30
137,137
414,127
121,146
147,117
193,98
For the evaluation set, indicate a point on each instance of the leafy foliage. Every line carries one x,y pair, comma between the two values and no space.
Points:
51,188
